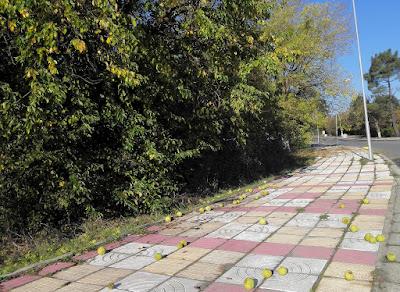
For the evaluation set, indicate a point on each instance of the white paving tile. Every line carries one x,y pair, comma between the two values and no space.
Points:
304,265
237,275
260,261
292,282
140,282
177,284
107,259
131,248
135,262
163,249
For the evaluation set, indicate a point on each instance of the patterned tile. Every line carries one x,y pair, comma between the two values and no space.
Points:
140,282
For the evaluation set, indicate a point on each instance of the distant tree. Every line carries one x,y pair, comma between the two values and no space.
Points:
384,70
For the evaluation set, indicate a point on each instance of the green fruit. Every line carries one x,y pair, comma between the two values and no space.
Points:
249,283
365,201
208,208
372,239
101,250
221,205
353,228
257,197
368,236
158,256
349,276
178,214
183,242
380,238
267,273
201,210
282,271
391,257
168,219
346,220
262,221
110,286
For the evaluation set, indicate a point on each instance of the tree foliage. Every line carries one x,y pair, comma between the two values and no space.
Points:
113,107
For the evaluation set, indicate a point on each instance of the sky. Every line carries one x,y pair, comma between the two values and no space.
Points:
379,30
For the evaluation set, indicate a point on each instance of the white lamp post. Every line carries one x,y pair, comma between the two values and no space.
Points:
362,84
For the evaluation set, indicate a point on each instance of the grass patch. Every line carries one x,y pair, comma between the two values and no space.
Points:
18,251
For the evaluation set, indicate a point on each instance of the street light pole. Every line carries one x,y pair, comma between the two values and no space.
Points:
362,85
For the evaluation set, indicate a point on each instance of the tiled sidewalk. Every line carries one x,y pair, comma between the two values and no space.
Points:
304,233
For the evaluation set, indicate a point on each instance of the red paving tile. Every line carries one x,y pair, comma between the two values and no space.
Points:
51,269
288,209
115,244
288,196
277,249
238,245
355,257
14,283
176,239
316,252
152,238
85,256
223,287
208,242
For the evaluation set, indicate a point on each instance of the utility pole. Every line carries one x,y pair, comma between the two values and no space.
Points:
367,130
336,131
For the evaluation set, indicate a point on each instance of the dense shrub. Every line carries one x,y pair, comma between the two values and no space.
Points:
110,107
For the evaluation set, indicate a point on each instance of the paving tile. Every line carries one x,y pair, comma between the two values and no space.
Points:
181,284
358,244
135,262
355,257
260,261
238,245
167,266
340,285
304,265
41,285
202,271
105,276
360,272
141,282
292,282
222,287
152,238
76,272
317,252
251,236
163,249
320,241
276,249
285,238
107,259
19,281
327,232
294,230
237,275
228,217
79,287
229,231
174,240
222,257
131,248
189,253
209,243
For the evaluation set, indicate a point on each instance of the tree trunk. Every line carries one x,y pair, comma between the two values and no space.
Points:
394,118
378,129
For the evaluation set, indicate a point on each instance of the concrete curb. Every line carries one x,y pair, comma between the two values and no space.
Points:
381,280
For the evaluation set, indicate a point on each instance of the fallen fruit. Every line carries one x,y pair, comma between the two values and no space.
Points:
282,271
110,286
265,193
178,214
183,242
267,273
391,257
380,238
353,228
201,210
345,220
341,205
372,239
221,205
168,219
208,208
158,256
249,283
101,250
249,190
368,236
180,245
262,221
349,276
365,201
257,197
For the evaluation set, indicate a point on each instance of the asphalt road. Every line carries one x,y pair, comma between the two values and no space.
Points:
390,147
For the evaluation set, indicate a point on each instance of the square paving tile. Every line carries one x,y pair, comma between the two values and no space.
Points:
76,272
294,230
42,285
140,282
132,248
340,285
238,245
222,257
208,242
327,232
79,287
228,217
355,257
105,276
292,282
107,259
163,249
222,287
229,230
316,252
304,265
320,241
360,272
358,244
167,266
189,253
237,275
260,261
251,236
202,271
152,238
135,262
181,284
285,238
277,249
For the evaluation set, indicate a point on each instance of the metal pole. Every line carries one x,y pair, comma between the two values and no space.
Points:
362,85
336,131
318,133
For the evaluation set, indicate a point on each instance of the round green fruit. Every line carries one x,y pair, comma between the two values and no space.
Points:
101,250
249,283
267,273
282,271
